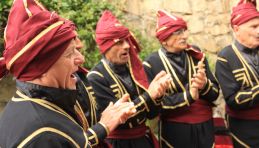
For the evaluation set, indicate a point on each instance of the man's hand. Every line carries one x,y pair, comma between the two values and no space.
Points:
159,85
199,80
194,90
117,113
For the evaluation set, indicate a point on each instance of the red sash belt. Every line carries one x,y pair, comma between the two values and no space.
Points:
199,111
132,133
249,114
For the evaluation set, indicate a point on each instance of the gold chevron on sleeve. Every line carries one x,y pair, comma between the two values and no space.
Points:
95,72
147,64
47,129
94,136
241,76
222,59
244,100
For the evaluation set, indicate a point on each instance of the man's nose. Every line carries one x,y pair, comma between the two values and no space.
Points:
79,44
80,59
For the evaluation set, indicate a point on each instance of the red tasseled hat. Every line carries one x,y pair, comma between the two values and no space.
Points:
108,32
167,24
34,40
243,12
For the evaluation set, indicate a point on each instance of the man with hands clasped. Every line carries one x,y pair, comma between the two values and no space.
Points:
186,116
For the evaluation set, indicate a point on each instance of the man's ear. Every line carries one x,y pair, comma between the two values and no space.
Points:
235,28
164,43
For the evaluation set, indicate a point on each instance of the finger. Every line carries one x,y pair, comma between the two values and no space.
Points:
194,83
200,76
125,113
201,62
160,83
159,75
198,83
127,107
166,78
130,111
200,80
201,70
203,58
124,105
109,106
121,121
194,75
124,98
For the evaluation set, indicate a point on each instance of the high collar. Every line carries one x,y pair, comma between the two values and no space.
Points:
63,98
171,54
245,49
118,69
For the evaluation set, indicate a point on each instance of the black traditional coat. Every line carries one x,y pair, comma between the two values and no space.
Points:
110,82
39,116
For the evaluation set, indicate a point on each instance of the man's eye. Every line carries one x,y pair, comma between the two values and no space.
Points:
119,42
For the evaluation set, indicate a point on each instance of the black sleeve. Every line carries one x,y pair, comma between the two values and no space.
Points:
176,100
211,90
170,100
104,94
96,134
50,139
236,97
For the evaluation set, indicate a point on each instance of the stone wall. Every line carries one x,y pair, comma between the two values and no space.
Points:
208,20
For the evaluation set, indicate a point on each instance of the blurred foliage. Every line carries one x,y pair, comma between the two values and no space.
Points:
85,14
4,9
147,45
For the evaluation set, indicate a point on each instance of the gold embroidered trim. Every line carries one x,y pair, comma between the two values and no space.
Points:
238,70
238,140
143,100
208,89
245,65
94,136
169,69
105,127
222,59
26,8
95,72
166,142
147,64
93,103
47,129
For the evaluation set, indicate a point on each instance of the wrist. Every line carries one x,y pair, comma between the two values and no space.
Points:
105,127
205,84
194,94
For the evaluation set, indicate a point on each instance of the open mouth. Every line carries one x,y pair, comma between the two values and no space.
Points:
73,76
125,54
